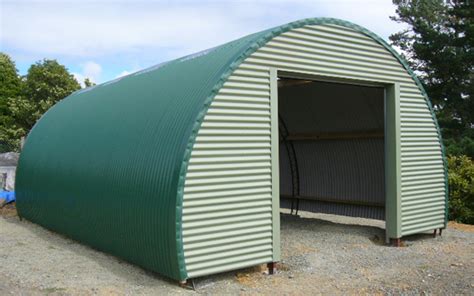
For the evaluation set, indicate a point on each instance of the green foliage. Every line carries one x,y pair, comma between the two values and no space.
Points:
439,46
24,101
49,81
88,82
461,187
10,81
461,146
10,87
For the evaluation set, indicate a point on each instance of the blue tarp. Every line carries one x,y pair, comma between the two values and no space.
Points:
9,196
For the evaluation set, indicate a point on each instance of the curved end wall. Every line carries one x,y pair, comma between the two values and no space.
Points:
111,165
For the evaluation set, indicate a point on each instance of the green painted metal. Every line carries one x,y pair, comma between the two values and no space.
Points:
275,166
107,165
392,161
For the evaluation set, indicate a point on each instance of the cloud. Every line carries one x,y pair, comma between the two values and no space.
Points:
126,34
80,78
91,70
98,28
123,73
95,29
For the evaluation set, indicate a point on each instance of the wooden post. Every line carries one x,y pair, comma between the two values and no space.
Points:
271,267
397,242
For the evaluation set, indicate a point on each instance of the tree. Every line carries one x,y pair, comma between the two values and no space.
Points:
45,84
438,45
10,81
10,87
88,82
49,81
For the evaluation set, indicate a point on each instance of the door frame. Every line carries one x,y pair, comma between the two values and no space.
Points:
392,148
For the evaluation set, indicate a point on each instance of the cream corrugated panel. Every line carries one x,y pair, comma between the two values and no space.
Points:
227,199
422,170
227,203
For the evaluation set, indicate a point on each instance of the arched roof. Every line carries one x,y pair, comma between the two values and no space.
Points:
107,165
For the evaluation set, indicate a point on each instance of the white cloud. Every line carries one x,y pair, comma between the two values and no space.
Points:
133,69
79,77
90,70
131,35
92,29
97,29
123,73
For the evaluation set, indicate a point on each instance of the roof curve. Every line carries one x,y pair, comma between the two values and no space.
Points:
118,153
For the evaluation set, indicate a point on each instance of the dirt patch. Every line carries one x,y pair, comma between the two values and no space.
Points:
8,210
460,226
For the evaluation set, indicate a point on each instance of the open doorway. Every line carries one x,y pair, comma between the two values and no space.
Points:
331,147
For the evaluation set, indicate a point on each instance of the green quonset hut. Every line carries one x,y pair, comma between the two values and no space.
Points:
182,168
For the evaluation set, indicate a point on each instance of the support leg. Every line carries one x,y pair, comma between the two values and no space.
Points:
440,231
397,242
434,232
187,284
271,267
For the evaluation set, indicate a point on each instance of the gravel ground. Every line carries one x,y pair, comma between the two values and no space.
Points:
321,254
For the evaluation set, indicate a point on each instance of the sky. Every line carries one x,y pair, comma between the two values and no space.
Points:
105,39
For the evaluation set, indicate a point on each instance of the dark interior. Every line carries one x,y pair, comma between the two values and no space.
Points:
331,148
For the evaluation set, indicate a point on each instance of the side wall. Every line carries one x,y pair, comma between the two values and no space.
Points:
227,203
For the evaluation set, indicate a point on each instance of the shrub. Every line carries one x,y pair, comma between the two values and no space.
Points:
460,146
461,189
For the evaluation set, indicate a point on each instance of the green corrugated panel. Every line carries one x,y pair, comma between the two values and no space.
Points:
106,166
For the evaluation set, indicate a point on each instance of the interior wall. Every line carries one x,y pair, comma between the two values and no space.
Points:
331,137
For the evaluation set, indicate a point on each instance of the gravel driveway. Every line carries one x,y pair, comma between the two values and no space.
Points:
322,254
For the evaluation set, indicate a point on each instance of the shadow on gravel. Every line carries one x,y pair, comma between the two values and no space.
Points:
418,237
374,234
320,226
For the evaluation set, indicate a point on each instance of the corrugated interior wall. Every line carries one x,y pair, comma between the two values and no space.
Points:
227,199
336,131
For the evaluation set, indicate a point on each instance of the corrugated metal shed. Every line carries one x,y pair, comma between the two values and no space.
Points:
175,168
